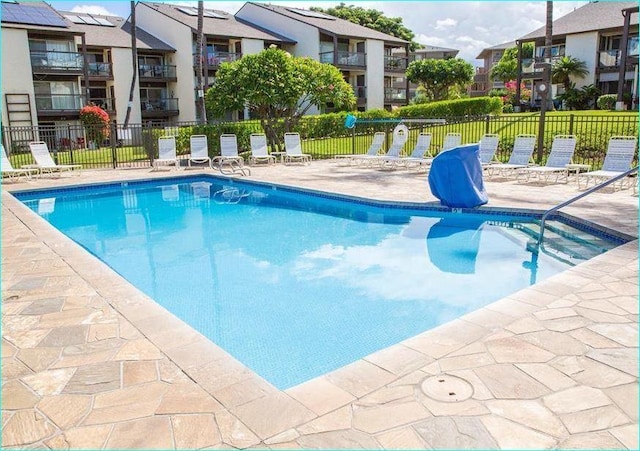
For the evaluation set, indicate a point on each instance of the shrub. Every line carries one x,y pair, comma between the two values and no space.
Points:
607,102
96,123
476,106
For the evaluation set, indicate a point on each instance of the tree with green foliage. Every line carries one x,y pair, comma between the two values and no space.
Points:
440,77
374,19
566,68
278,89
507,68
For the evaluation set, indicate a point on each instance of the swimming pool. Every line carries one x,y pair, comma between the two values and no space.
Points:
295,285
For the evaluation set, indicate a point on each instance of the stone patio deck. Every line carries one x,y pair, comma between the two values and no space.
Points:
90,362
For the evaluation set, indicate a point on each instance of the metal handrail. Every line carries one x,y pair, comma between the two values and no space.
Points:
578,197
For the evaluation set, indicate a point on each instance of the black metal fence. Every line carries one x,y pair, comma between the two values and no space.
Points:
322,137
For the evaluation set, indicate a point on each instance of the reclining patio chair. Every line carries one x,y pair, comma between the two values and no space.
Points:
520,157
166,152
620,153
44,162
259,150
199,150
562,151
9,171
488,148
400,136
417,157
374,148
228,151
451,140
293,148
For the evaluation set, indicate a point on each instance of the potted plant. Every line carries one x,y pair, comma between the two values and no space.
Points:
96,124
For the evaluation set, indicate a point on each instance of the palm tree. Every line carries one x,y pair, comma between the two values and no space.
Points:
567,67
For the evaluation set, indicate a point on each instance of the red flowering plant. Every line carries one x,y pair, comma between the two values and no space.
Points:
510,86
96,123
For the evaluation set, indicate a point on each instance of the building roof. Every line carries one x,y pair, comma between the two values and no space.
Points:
224,25
331,25
590,17
119,35
6,22
504,46
433,48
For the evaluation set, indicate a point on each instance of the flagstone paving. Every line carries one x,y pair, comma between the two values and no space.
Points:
90,362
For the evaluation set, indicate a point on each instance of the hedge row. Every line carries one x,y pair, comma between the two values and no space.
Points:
476,106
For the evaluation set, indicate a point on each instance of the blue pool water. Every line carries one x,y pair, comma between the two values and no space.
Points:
293,285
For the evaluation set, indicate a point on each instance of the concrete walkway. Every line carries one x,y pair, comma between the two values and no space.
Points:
90,362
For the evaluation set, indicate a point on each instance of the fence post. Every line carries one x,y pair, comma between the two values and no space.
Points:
487,123
69,141
571,118
114,143
353,139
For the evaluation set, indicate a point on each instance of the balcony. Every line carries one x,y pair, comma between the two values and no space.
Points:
57,63
361,94
481,76
157,72
395,63
159,107
392,95
100,71
215,59
529,69
345,59
106,104
59,104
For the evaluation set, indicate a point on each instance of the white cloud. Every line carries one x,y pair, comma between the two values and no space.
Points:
481,29
446,23
431,40
93,9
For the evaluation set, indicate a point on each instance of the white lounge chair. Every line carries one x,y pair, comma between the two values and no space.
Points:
520,157
417,157
374,148
11,173
399,139
199,150
451,140
293,148
228,151
259,150
488,148
166,152
562,151
620,153
44,162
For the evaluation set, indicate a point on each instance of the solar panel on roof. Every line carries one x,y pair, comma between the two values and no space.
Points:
212,14
74,19
89,20
31,15
194,12
188,11
104,22
308,13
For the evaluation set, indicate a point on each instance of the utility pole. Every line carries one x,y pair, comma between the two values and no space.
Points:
545,87
134,62
202,112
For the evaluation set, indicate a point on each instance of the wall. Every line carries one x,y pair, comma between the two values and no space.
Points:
252,46
16,69
374,77
122,71
180,38
584,46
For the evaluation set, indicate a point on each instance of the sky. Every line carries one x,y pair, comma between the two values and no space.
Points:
468,26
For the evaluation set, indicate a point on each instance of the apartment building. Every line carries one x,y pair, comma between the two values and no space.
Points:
490,56
365,57
593,33
227,39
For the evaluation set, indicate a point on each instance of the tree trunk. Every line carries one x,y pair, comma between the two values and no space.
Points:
134,62
202,112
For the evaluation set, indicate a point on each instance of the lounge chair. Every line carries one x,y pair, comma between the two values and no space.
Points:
199,150
228,151
11,173
620,153
562,151
259,150
293,148
488,148
400,137
417,157
374,148
451,140
520,157
166,152
44,162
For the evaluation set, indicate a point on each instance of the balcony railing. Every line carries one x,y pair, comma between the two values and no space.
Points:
157,71
360,93
158,105
56,61
214,59
106,104
351,59
609,58
481,77
102,70
59,102
395,63
395,95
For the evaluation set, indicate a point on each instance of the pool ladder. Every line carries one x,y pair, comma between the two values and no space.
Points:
546,214
234,166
